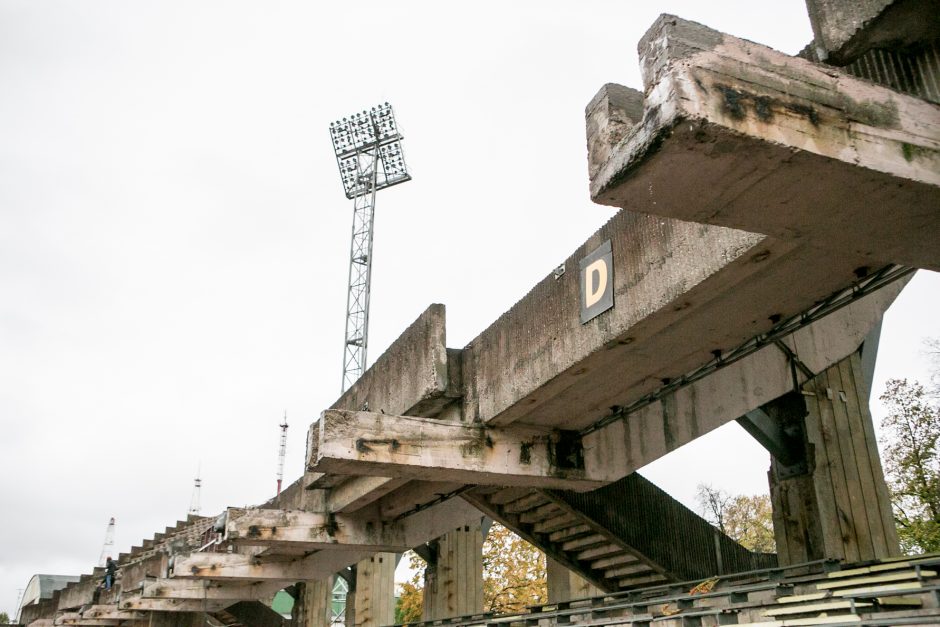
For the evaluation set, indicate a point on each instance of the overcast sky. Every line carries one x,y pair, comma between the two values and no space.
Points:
174,237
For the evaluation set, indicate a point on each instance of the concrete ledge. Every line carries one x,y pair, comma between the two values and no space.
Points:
411,376
738,135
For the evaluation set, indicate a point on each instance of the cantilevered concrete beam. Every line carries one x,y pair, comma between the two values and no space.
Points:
301,546
423,448
629,442
363,530
131,603
215,591
356,492
432,381
736,134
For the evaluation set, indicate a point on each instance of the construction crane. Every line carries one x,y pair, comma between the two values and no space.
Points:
108,549
281,453
370,158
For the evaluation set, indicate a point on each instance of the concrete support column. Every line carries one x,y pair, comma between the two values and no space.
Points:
839,506
453,585
375,591
564,584
313,606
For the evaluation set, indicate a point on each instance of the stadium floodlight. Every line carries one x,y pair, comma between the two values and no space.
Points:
370,158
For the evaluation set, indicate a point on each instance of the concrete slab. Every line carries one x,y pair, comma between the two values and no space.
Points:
739,135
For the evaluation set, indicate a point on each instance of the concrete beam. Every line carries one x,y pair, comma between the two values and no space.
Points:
362,530
239,566
628,443
428,449
166,588
136,603
420,351
111,612
748,126
844,30
289,537
357,492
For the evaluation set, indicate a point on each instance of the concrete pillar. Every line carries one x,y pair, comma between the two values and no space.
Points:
564,584
375,591
453,586
838,506
313,606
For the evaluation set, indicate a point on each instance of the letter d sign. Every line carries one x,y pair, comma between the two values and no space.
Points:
597,282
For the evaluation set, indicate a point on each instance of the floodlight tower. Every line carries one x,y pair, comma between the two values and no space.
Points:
194,502
108,548
369,156
281,453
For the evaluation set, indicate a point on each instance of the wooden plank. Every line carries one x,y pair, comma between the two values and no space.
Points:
368,443
877,590
815,607
875,579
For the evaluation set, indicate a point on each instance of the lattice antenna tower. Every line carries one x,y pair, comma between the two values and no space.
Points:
195,502
108,548
281,454
370,158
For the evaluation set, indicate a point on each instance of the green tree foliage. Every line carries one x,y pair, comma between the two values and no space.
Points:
745,519
912,464
4,618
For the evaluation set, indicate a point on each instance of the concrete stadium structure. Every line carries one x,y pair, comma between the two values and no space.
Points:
772,208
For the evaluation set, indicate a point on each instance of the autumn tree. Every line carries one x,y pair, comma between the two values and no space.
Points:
745,519
912,464
513,577
410,604
513,573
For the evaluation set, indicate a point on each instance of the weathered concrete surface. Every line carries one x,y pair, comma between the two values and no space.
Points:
629,443
433,450
841,508
308,531
411,376
843,31
732,133
682,291
163,588
453,583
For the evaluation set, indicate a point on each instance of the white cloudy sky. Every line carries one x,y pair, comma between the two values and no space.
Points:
174,238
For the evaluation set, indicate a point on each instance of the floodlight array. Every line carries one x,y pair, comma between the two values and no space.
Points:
368,151
363,129
369,155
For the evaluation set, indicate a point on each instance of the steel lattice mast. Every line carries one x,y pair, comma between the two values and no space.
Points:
369,156
281,453
107,550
